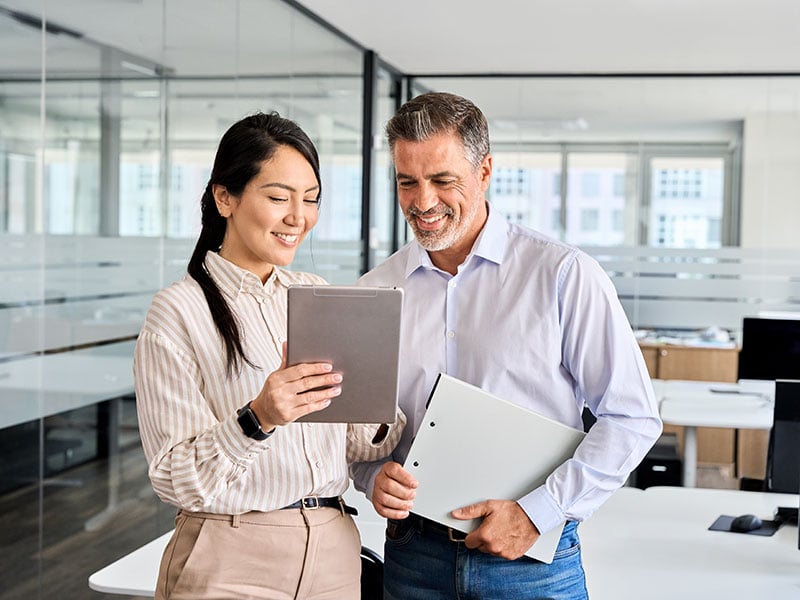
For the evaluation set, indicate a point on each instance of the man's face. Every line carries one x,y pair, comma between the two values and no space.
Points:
440,192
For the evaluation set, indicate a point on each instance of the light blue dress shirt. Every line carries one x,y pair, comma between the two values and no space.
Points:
536,322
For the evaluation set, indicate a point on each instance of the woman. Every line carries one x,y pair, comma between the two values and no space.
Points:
259,495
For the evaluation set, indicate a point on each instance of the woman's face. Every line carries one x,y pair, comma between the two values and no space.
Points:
267,222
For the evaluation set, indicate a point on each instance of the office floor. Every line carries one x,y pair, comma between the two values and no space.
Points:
47,550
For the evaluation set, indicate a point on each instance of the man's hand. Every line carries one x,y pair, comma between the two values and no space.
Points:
394,491
506,530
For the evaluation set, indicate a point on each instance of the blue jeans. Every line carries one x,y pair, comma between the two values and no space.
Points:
421,563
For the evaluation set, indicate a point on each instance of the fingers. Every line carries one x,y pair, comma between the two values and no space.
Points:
473,511
292,392
505,531
394,491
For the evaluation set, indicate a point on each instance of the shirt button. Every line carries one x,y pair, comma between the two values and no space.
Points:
452,283
318,463
451,334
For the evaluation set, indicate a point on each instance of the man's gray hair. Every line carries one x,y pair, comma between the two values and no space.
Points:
439,112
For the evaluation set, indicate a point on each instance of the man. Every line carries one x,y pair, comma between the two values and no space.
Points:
525,317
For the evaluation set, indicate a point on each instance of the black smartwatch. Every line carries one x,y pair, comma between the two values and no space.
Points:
249,423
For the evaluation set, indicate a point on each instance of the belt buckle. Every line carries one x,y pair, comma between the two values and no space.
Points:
452,533
310,502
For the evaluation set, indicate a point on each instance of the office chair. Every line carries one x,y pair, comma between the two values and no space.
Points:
371,575
783,468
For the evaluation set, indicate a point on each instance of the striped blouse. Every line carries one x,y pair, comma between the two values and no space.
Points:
199,459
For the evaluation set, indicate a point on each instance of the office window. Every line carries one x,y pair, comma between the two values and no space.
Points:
522,189
20,192
619,184
617,219
592,197
590,219
687,201
590,184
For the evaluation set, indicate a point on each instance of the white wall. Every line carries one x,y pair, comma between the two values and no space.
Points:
770,215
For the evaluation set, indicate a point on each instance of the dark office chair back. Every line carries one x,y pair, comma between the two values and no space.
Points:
371,575
783,464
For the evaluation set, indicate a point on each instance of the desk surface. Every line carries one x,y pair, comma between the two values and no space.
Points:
650,543
655,544
694,404
38,386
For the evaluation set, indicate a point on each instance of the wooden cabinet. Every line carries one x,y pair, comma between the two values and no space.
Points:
714,445
747,448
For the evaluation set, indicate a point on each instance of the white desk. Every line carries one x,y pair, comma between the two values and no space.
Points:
39,386
136,574
692,404
652,544
655,544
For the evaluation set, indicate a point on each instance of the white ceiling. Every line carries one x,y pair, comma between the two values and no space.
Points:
569,36
211,38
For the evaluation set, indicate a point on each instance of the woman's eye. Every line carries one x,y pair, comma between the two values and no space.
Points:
277,199
314,201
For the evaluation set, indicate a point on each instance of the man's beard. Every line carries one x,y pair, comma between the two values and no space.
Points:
443,238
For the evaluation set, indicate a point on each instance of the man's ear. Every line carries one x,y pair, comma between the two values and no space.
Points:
486,172
222,199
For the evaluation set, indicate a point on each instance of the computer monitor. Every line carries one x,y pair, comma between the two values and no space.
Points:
770,349
783,467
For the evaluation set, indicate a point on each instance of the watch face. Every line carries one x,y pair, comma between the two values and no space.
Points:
250,425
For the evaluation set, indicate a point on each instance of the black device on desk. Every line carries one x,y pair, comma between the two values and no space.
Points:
770,349
783,467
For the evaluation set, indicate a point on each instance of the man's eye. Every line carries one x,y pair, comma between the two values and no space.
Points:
406,184
442,181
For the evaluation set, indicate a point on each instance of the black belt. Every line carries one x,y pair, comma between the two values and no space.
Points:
314,502
424,524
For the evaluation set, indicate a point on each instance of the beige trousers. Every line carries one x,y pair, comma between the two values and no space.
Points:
279,555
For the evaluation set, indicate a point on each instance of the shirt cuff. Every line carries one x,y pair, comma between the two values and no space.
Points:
365,434
236,445
542,510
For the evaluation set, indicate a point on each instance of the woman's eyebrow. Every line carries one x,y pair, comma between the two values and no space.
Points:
288,187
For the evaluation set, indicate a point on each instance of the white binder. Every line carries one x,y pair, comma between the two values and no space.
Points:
473,446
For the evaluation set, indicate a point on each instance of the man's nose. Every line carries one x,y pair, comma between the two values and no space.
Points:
427,198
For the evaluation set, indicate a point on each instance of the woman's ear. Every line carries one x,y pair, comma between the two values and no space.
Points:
222,199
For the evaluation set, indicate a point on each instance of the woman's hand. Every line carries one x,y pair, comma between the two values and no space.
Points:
287,396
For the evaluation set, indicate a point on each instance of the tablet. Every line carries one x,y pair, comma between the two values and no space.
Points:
357,330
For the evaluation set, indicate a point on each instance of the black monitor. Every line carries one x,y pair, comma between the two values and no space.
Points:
783,467
770,349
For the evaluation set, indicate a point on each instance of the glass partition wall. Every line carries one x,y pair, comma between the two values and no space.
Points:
110,114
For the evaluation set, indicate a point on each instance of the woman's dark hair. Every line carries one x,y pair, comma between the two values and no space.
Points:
241,152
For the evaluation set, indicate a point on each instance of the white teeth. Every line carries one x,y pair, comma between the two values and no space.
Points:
287,238
430,220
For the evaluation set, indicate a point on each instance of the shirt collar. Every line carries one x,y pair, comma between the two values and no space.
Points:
233,280
490,245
